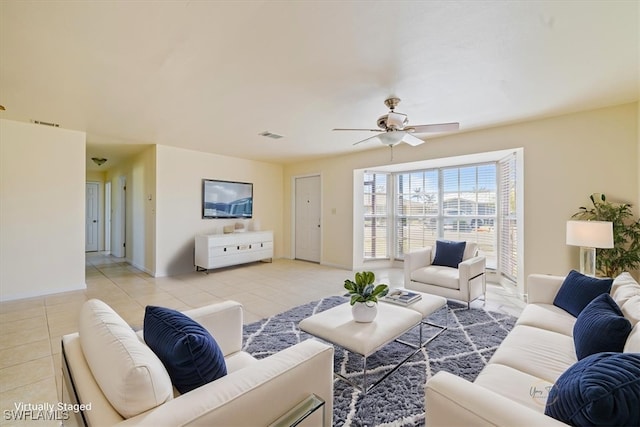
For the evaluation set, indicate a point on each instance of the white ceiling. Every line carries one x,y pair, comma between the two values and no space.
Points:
211,75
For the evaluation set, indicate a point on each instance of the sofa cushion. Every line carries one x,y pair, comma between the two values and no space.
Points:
189,352
633,340
449,253
238,360
631,310
515,385
547,316
600,327
578,290
600,390
537,352
129,374
445,277
625,293
624,287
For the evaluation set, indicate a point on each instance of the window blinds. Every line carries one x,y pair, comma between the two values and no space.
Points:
410,210
508,225
375,216
456,203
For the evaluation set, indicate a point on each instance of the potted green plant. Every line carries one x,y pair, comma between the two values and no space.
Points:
364,295
625,254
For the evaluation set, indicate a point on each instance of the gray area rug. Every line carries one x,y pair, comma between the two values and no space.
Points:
463,350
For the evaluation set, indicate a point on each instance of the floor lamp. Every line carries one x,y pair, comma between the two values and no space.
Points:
589,235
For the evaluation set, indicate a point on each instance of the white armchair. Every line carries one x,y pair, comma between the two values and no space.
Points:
465,283
253,393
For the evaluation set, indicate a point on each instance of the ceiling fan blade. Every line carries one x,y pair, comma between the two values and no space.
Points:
437,127
412,140
366,139
363,130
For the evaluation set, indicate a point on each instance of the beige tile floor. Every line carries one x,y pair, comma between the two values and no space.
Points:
31,329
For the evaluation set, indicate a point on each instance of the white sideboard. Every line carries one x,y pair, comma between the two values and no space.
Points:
222,250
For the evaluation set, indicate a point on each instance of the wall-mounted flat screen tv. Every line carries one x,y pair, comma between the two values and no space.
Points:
226,199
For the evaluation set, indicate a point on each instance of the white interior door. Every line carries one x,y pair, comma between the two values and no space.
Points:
307,218
91,217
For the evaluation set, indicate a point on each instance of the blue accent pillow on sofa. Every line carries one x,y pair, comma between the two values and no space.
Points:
600,327
448,253
600,390
188,351
578,290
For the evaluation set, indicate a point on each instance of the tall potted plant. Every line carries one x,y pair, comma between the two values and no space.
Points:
625,254
364,296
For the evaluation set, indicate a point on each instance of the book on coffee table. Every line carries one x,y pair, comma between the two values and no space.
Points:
402,297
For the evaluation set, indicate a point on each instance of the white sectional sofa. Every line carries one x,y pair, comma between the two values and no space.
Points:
512,389
119,381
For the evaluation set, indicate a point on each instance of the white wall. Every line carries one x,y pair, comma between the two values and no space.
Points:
141,192
566,158
179,202
42,210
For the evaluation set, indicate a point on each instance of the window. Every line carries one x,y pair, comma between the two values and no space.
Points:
376,236
448,199
457,203
417,208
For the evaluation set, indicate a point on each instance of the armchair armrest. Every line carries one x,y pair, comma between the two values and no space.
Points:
454,401
223,321
542,288
247,397
416,259
472,267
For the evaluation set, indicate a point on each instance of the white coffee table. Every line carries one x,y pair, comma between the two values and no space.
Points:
337,326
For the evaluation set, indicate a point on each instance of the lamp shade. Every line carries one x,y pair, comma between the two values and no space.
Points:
590,234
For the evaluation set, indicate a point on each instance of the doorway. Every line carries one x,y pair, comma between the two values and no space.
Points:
91,216
308,219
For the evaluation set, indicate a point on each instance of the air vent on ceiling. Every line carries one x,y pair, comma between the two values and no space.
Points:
270,135
40,122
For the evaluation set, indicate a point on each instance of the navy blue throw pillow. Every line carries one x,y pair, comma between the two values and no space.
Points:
600,327
578,290
448,253
188,351
600,390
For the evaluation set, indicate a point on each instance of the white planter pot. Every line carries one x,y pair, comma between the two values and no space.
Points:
364,312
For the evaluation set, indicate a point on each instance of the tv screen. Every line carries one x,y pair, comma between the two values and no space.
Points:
226,199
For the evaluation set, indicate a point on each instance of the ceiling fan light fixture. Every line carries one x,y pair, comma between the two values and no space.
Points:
391,138
99,160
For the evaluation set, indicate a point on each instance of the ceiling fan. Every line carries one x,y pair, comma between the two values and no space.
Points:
394,127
